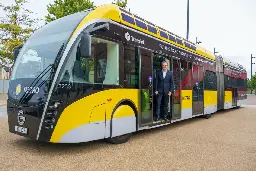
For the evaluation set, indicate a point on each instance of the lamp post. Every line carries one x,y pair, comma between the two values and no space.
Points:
251,67
251,64
215,51
198,42
187,19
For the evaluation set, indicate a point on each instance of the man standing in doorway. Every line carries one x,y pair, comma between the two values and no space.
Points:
164,89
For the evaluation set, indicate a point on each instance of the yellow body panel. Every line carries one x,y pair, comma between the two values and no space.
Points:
97,113
93,109
228,96
113,12
123,111
210,98
102,12
186,99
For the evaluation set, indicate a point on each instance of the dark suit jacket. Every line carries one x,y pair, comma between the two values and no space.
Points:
164,85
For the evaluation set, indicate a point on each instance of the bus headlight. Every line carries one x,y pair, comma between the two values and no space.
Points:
56,105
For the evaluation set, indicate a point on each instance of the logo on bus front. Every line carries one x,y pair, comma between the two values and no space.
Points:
18,89
21,118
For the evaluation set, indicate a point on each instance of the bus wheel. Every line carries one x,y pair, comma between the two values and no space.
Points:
119,139
207,116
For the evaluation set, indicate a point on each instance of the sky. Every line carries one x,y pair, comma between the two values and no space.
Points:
227,25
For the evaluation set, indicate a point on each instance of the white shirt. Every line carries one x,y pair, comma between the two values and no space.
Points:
164,73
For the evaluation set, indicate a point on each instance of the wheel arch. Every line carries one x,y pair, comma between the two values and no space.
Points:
120,103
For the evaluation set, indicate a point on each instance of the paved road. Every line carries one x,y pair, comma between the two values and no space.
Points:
225,142
251,99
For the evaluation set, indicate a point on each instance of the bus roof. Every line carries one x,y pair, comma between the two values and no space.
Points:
233,64
120,15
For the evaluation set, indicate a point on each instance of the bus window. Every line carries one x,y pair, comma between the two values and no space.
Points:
210,81
101,67
186,75
130,67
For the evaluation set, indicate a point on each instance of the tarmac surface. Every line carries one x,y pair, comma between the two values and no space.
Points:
226,141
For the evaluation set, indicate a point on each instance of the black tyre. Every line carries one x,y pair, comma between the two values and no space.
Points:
120,139
207,116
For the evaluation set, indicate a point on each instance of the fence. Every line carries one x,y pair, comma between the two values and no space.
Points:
4,86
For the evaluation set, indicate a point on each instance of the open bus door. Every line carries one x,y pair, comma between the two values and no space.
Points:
176,97
198,89
157,60
150,64
146,87
234,89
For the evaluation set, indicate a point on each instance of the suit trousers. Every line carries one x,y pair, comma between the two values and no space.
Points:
165,97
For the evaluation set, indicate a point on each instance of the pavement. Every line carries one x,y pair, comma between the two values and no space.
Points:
226,142
3,103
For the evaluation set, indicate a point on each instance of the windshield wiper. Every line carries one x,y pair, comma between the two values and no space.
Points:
52,67
37,79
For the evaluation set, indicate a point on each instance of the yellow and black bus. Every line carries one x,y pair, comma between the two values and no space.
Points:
90,76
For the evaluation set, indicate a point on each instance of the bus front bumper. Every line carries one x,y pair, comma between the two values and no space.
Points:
23,124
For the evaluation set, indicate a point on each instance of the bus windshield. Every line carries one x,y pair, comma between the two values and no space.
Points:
43,46
36,56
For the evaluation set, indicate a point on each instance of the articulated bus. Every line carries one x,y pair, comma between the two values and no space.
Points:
90,76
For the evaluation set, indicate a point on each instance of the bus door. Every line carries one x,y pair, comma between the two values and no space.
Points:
198,89
234,96
146,87
234,90
176,97
157,60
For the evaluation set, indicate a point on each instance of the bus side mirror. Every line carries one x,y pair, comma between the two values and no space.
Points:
85,45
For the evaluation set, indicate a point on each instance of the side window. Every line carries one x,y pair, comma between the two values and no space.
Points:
131,67
225,81
238,82
228,81
232,82
242,82
210,82
100,68
186,74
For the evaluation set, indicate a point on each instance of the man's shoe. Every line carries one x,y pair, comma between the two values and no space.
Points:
158,118
166,118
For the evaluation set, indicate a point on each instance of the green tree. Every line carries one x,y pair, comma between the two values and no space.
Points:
253,83
249,84
61,8
15,27
121,3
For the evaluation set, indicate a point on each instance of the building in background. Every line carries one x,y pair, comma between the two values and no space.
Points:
5,72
